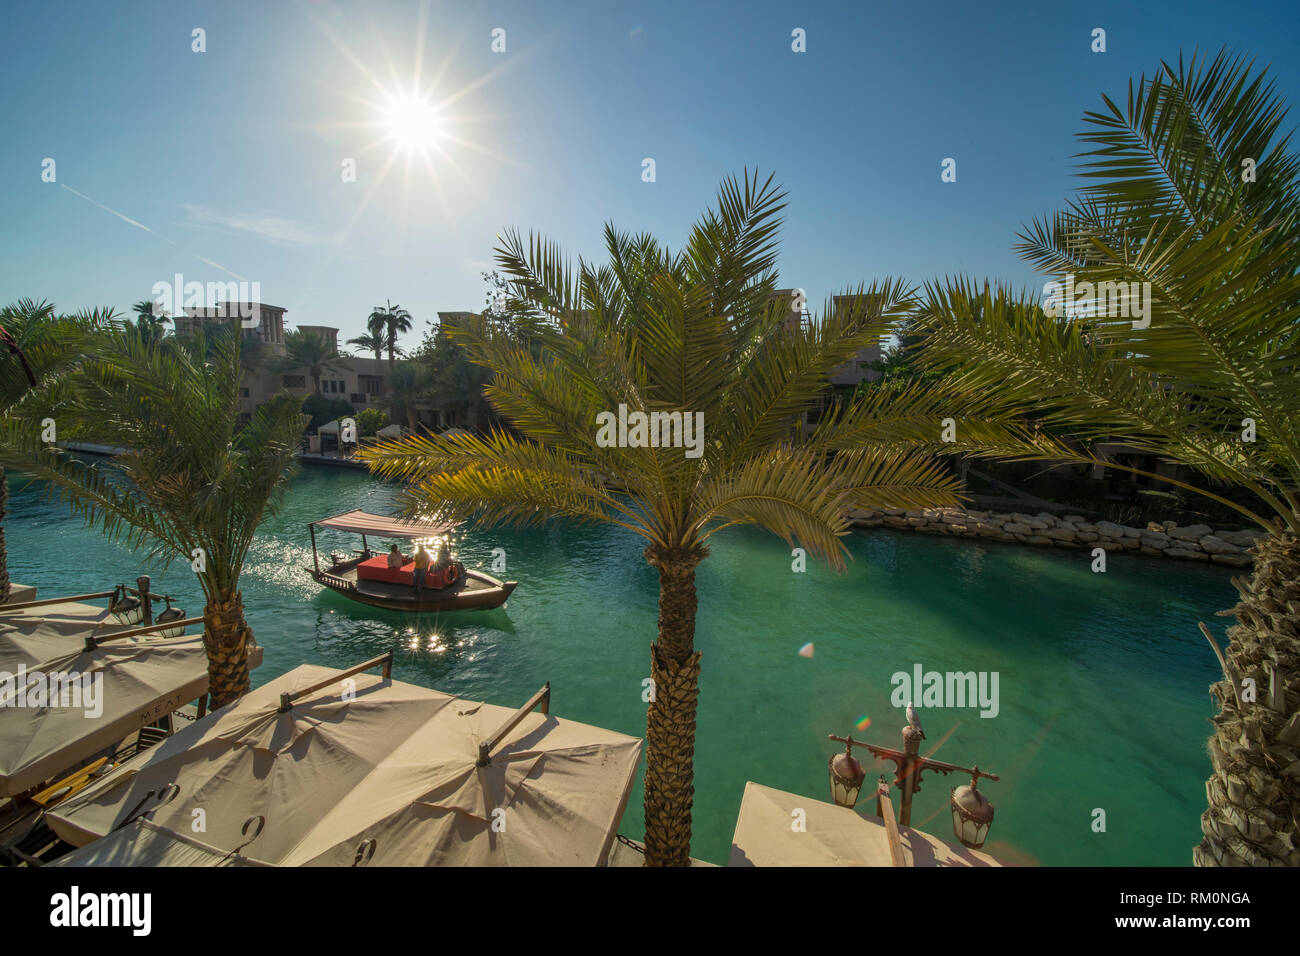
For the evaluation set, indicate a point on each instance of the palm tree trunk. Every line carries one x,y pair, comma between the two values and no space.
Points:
670,720
5,584
1253,817
226,637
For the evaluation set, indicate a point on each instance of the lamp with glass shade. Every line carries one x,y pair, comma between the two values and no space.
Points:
972,813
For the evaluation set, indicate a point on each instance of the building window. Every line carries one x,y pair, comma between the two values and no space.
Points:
295,381
243,393
357,399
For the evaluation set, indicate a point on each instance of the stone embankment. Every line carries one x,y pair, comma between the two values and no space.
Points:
1197,542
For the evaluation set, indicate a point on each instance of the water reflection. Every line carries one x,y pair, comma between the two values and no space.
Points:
1087,660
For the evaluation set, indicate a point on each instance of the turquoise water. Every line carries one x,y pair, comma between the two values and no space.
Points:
1102,677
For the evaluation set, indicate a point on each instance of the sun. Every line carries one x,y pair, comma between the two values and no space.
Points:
414,129
412,122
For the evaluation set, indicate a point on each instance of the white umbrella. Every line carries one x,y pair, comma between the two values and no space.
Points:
831,835
68,692
360,766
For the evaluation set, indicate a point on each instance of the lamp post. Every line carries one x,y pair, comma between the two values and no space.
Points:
972,813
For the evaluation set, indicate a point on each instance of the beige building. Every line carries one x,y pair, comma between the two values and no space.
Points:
357,380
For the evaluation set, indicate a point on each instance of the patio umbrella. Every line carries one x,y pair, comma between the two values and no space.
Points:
50,722
82,616
143,843
832,836
361,767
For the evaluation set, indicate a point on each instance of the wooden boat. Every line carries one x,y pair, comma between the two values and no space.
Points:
366,579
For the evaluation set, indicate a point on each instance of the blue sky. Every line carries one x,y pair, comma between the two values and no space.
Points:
231,159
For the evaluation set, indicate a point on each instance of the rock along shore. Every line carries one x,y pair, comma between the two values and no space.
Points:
1197,542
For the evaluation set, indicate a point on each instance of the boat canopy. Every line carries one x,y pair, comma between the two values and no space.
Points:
362,522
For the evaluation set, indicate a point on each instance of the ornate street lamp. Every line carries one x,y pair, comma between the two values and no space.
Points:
846,777
168,615
124,608
972,814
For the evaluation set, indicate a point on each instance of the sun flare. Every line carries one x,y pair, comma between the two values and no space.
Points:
413,123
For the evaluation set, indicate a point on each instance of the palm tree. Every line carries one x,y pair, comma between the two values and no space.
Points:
389,320
1192,189
193,483
372,341
377,325
150,320
690,333
309,349
408,385
454,381
39,348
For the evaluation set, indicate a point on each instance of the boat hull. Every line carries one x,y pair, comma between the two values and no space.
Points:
477,592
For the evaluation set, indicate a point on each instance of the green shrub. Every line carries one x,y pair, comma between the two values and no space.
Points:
369,421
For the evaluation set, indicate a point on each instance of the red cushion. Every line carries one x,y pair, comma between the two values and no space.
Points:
377,569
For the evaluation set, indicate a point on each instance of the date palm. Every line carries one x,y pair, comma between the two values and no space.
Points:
150,320
408,386
389,320
372,341
699,330
193,484
1192,188
308,349
41,347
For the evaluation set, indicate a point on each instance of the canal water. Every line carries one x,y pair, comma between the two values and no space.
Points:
1102,704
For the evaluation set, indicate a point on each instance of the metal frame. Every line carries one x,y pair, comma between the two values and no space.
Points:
287,700
542,697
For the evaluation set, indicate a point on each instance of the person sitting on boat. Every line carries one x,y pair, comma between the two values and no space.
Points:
445,570
421,566
395,557
444,558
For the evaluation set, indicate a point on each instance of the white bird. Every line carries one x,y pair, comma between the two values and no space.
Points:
913,721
